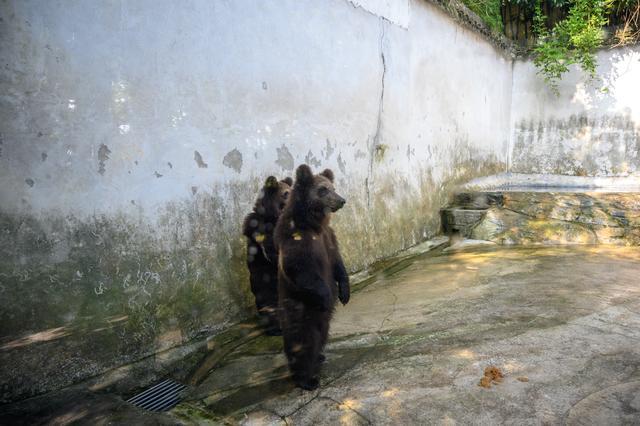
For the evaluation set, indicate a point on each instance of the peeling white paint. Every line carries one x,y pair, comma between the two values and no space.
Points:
315,100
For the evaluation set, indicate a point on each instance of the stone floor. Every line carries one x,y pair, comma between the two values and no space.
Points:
561,323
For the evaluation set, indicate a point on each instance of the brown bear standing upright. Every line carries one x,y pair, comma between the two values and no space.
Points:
309,266
262,256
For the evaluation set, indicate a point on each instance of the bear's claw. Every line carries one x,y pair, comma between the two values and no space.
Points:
344,293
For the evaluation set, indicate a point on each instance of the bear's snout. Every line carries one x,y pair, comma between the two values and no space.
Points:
339,203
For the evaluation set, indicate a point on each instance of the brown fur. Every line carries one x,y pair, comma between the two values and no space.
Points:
309,267
262,256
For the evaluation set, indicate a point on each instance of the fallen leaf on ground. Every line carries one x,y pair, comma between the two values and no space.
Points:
491,375
485,382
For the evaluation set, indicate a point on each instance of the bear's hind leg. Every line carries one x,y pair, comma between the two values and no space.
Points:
264,286
271,305
305,350
273,323
295,337
321,335
323,326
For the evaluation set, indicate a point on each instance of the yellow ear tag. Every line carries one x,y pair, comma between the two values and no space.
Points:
297,236
260,238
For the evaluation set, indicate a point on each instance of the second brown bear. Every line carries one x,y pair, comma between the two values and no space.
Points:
262,256
311,274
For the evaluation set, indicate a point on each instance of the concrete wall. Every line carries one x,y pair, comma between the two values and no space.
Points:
590,129
135,136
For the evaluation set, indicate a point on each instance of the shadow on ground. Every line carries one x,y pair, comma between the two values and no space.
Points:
562,323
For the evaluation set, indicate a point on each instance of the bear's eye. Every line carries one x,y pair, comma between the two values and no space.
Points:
323,191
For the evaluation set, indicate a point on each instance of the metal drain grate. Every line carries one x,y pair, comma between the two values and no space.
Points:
160,397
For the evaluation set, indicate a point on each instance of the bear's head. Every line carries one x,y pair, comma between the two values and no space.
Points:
314,197
273,197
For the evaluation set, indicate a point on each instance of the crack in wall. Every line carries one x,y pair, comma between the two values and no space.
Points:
511,122
375,141
362,8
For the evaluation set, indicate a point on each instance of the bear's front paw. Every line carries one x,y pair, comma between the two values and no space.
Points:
344,293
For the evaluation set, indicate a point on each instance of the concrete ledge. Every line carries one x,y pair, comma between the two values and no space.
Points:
519,182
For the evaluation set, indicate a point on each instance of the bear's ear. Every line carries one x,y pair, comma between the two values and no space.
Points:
271,183
304,176
288,181
328,174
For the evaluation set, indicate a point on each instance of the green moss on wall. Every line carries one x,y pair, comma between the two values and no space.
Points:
109,290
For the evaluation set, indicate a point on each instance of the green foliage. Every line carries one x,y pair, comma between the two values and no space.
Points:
533,3
488,11
574,40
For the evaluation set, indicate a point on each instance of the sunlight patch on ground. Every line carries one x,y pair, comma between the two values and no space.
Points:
465,354
69,418
41,336
390,393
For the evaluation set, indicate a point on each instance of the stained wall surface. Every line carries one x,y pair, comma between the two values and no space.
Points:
135,137
590,128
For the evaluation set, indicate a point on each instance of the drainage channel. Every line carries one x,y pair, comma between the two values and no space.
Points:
160,397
